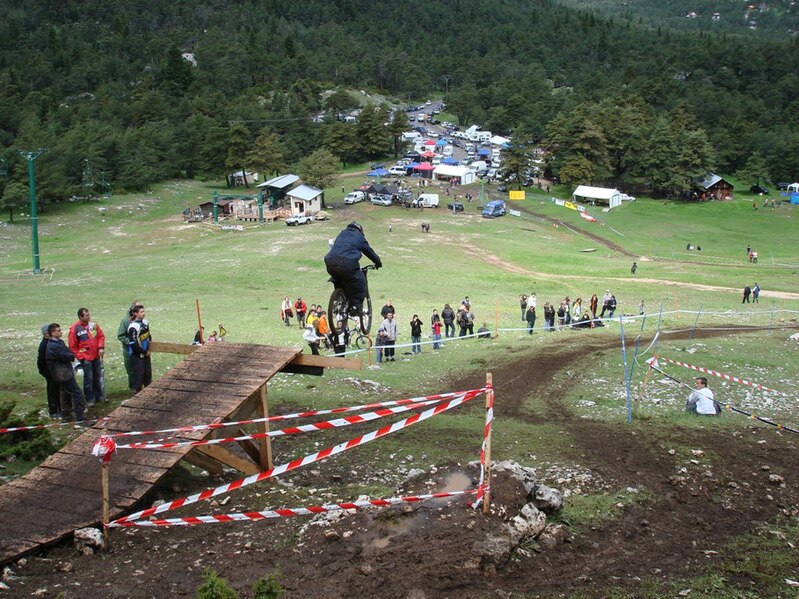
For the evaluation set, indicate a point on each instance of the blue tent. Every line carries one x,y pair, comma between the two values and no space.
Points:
450,160
483,152
441,142
412,165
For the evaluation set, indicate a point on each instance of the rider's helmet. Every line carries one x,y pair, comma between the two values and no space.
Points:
356,225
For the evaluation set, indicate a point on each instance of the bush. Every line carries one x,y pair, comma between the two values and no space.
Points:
25,445
215,587
268,587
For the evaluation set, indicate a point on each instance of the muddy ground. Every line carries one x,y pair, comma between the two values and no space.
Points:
428,550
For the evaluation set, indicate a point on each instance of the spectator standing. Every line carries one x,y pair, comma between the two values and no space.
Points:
701,401
323,329
633,268
122,335
523,304
310,336
549,316
577,308
390,327
530,318
139,340
612,306
87,342
605,302
380,343
341,340
756,294
416,334
593,305
53,388
747,293
448,317
59,362
286,313
434,317
300,309
436,334
641,308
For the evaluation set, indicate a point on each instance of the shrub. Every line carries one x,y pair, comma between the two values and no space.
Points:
268,587
215,587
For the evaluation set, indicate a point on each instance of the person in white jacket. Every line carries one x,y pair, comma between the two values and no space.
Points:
701,401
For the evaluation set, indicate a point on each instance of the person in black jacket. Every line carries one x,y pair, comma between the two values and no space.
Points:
59,362
448,317
139,339
416,334
343,266
53,388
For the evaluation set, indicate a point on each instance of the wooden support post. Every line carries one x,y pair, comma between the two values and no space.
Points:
487,478
199,321
643,387
369,349
265,460
200,460
106,502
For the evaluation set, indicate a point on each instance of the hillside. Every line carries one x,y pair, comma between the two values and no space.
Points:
108,83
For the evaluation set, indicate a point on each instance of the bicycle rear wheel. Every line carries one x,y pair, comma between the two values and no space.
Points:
366,315
337,311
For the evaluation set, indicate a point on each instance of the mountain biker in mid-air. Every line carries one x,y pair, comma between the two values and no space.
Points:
342,264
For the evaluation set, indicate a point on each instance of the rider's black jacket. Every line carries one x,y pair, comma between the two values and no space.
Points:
349,246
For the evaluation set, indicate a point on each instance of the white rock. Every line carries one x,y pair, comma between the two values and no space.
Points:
89,537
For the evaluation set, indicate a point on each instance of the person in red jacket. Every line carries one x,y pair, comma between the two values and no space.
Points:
87,342
300,309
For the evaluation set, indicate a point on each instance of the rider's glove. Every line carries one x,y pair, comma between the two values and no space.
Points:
378,265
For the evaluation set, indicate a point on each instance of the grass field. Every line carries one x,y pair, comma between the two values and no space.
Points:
105,254
102,255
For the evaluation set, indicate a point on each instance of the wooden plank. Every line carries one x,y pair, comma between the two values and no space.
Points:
172,348
229,458
265,455
327,362
206,463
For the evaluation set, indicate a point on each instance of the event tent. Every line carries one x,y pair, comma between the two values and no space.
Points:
597,195
445,172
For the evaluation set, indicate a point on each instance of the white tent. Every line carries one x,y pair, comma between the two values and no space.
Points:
498,140
597,195
446,171
793,188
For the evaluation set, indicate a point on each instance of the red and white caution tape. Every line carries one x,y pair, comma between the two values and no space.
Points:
483,487
294,430
304,461
18,429
729,377
290,512
218,425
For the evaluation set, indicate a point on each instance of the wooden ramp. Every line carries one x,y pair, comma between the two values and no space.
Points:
224,381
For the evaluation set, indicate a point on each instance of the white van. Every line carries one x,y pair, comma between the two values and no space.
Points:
447,151
354,197
411,136
426,200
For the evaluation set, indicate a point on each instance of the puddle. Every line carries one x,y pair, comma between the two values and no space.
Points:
457,481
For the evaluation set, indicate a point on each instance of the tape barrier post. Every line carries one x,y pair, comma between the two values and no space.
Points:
626,371
487,452
496,320
696,321
106,503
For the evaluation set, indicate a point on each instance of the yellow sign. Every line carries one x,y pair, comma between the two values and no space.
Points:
516,194
570,205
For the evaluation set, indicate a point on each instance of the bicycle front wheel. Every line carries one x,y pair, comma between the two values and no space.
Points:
337,311
366,315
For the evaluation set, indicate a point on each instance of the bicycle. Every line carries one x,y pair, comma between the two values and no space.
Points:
338,309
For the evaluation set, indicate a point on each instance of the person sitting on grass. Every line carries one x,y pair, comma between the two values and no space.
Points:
701,401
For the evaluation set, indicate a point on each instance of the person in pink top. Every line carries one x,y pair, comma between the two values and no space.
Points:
87,342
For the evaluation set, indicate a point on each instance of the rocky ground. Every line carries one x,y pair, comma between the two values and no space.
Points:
712,489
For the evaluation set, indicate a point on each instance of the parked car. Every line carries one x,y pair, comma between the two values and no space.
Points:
503,188
783,186
299,219
455,206
379,199
758,189
398,170
354,197
626,198
321,215
494,208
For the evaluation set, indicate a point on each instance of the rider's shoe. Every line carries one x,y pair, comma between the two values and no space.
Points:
355,311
